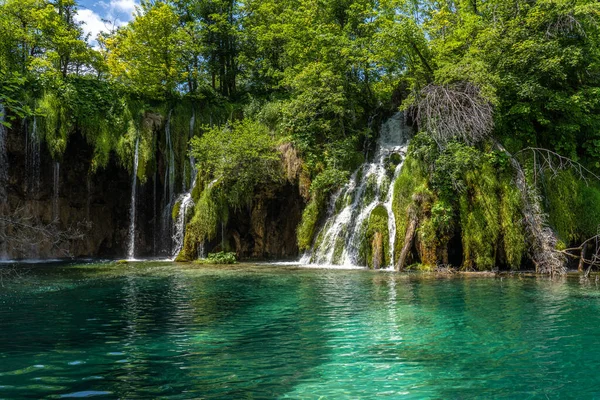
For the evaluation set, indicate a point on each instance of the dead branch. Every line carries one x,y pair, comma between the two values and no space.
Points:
565,24
22,231
547,161
455,112
594,261
542,250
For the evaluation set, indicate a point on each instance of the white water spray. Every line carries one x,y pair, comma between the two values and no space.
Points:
185,202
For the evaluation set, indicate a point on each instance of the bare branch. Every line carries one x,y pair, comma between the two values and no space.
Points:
22,231
548,161
542,238
457,112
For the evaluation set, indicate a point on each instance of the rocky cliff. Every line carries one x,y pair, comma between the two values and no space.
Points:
59,209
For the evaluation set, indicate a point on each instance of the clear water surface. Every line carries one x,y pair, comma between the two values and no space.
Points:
162,330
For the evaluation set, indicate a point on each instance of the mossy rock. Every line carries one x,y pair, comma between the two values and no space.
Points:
391,163
308,226
175,210
375,239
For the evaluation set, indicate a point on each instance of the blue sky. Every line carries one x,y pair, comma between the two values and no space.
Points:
91,13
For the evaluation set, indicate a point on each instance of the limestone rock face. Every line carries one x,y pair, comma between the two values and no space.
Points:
86,215
268,229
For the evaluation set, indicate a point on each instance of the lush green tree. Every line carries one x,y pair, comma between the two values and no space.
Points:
146,55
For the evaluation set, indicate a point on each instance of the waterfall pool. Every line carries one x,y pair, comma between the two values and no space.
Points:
166,330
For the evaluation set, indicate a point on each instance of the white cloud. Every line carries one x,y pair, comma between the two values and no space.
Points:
124,6
90,23
93,24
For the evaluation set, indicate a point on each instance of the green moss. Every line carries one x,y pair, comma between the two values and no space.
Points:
370,190
561,198
588,210
209,213
376,235
513,233
461,190
175,210
411,180
573,206
338,249
479,216
220,258
307,228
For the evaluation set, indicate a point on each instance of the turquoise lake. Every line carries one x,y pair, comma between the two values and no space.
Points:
163,330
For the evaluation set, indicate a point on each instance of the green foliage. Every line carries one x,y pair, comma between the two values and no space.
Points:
573,206
57,125
321,75
220,258
376,236
241,158
460,189
211,210
412,180
308,225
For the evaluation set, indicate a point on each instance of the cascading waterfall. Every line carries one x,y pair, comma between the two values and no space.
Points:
185,201
3,156
55,210
132,209
339,241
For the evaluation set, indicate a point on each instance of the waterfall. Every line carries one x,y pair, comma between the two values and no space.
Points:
168,190
3,157
372,185
55,210
131,246
170,172
185,202
33,159
192,160
201,251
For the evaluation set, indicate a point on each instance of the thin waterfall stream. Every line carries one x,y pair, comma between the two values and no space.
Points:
185,202
340,240
3,156
55,195
32,157
132,209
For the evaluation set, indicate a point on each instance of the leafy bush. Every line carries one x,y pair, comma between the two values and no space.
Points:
240,157
219,258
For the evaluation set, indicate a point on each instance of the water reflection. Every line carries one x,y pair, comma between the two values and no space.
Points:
174,331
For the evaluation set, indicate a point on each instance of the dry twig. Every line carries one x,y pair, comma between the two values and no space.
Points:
457,112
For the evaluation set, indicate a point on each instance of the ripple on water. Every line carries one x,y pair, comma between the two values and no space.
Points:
164,330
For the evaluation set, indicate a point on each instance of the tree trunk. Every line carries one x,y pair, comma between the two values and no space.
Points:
582,259
408,242
377,246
